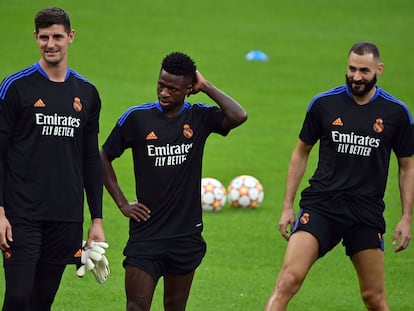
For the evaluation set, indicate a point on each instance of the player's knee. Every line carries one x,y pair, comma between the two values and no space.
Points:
175,303
288,283
134,306
374,300
42,301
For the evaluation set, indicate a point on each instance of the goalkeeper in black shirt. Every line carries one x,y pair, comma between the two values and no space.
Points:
49,157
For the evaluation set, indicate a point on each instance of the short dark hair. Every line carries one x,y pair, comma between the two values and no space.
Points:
51,16
365,47
179,64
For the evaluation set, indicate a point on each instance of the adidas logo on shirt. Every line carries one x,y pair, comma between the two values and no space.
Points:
39,104
151,136
337,122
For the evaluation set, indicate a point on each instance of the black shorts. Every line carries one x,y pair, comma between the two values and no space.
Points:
162,257
336,220
44,242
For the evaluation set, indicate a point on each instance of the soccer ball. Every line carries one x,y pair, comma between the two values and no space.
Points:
213,194
245,191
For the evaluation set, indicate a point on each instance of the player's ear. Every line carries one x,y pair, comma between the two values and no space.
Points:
189,89
71,36
380,69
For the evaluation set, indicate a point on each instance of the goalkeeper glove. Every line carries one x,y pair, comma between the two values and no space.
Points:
93,259
101,270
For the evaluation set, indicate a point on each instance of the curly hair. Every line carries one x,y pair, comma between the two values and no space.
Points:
51,16
179,64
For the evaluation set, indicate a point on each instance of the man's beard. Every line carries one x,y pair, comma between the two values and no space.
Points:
368,85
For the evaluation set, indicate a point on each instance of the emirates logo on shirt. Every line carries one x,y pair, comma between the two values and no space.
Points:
169,155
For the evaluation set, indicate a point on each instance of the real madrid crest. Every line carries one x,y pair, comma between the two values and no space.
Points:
304,219
77,105
378,125
187,131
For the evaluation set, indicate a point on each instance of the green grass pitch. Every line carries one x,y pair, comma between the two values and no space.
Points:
119,46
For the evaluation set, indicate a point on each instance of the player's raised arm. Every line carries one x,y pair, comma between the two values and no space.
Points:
234,114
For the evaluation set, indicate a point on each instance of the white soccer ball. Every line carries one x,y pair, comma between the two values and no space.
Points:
213,194
245,191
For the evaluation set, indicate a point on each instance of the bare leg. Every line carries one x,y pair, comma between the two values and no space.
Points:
301,253
176,291
139,288
369,265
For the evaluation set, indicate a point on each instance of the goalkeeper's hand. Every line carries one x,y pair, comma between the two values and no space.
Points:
93,259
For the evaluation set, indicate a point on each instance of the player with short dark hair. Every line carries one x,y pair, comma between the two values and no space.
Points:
167,139
52,16
49,156
357,125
